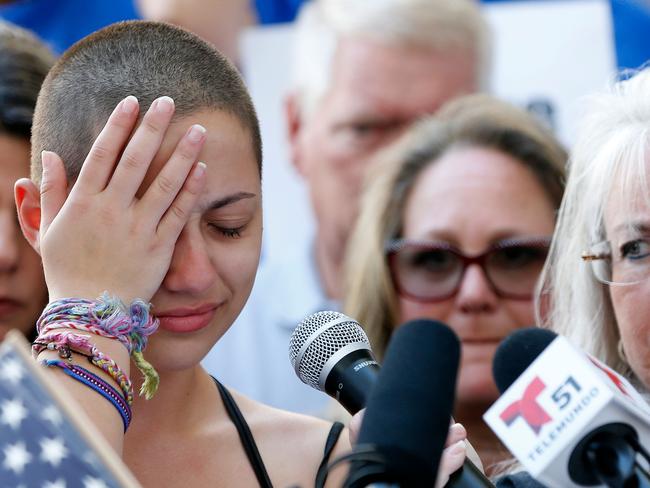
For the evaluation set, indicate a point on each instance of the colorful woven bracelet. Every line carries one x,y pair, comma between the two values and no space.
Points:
108,317
66,342
96,383
65,352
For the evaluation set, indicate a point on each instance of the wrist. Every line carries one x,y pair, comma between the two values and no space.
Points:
95,327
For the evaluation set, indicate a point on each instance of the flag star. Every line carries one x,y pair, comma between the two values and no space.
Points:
53,451
11,371
60,483
90,482
52,415
16,457
12,413
91,460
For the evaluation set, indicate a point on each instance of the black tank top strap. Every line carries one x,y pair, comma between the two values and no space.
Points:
245,436
330,443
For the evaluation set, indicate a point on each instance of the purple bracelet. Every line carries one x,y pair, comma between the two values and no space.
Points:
96,383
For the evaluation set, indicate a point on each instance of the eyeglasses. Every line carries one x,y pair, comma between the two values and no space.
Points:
629,265
433,271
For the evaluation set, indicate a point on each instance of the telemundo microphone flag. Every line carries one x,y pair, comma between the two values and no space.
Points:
557,404
44,441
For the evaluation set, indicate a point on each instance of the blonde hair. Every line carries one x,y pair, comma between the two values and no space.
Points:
476,121
436,24
611,153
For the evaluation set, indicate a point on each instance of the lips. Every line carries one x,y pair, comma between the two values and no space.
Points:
8,306
186,320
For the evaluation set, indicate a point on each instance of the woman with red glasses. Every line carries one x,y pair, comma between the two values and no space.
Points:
455,226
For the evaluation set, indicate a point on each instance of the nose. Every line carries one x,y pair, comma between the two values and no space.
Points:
191,270
475,294
9,243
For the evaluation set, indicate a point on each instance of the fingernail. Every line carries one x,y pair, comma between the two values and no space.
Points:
196,133
129,104
459,428
45,159
199,170
164,105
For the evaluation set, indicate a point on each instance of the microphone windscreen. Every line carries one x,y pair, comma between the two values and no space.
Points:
319,341
409,409
517,352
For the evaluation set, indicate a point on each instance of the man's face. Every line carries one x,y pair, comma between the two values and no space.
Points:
376,91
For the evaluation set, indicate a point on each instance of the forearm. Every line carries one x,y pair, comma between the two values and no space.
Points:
99,411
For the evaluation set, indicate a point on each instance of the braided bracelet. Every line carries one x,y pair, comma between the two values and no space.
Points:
96,383
68,342
108,317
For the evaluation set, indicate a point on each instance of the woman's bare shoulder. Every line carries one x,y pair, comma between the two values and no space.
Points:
290,444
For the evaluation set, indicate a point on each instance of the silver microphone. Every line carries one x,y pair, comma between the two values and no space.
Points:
330,352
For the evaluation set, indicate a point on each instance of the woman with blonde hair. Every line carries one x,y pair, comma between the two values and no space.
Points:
596,276
455,226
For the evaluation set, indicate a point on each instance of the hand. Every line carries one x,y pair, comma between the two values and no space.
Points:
355,426
457,448
454,454
101,237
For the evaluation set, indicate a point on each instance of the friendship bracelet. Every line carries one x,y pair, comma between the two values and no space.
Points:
84,328
68,342
64,342
107,317
96,383
65,352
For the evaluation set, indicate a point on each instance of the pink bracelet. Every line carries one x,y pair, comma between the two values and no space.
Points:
67,342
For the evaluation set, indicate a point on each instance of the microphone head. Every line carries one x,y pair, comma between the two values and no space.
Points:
409,409
517,352
319,341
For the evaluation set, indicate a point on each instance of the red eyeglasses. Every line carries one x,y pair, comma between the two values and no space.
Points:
433,271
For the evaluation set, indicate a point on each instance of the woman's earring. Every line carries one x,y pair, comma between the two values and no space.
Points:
621,351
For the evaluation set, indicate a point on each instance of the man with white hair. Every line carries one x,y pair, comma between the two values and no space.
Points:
363,72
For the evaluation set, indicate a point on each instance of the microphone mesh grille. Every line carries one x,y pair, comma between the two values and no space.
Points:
324,345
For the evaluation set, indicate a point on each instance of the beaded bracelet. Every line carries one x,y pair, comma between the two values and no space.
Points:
96,383
68,342
109,317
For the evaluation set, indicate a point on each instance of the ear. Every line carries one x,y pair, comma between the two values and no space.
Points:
28,204
294,120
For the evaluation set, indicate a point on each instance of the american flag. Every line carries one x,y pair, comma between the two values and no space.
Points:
41,445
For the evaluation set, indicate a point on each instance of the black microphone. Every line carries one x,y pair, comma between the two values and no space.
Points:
516,352
407,416
605,450
331,353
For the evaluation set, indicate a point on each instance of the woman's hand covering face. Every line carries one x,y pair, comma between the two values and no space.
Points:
101,237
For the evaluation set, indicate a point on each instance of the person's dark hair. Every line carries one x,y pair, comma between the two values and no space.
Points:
144,59
24,63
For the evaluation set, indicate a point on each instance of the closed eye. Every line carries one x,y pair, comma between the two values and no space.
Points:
229,232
